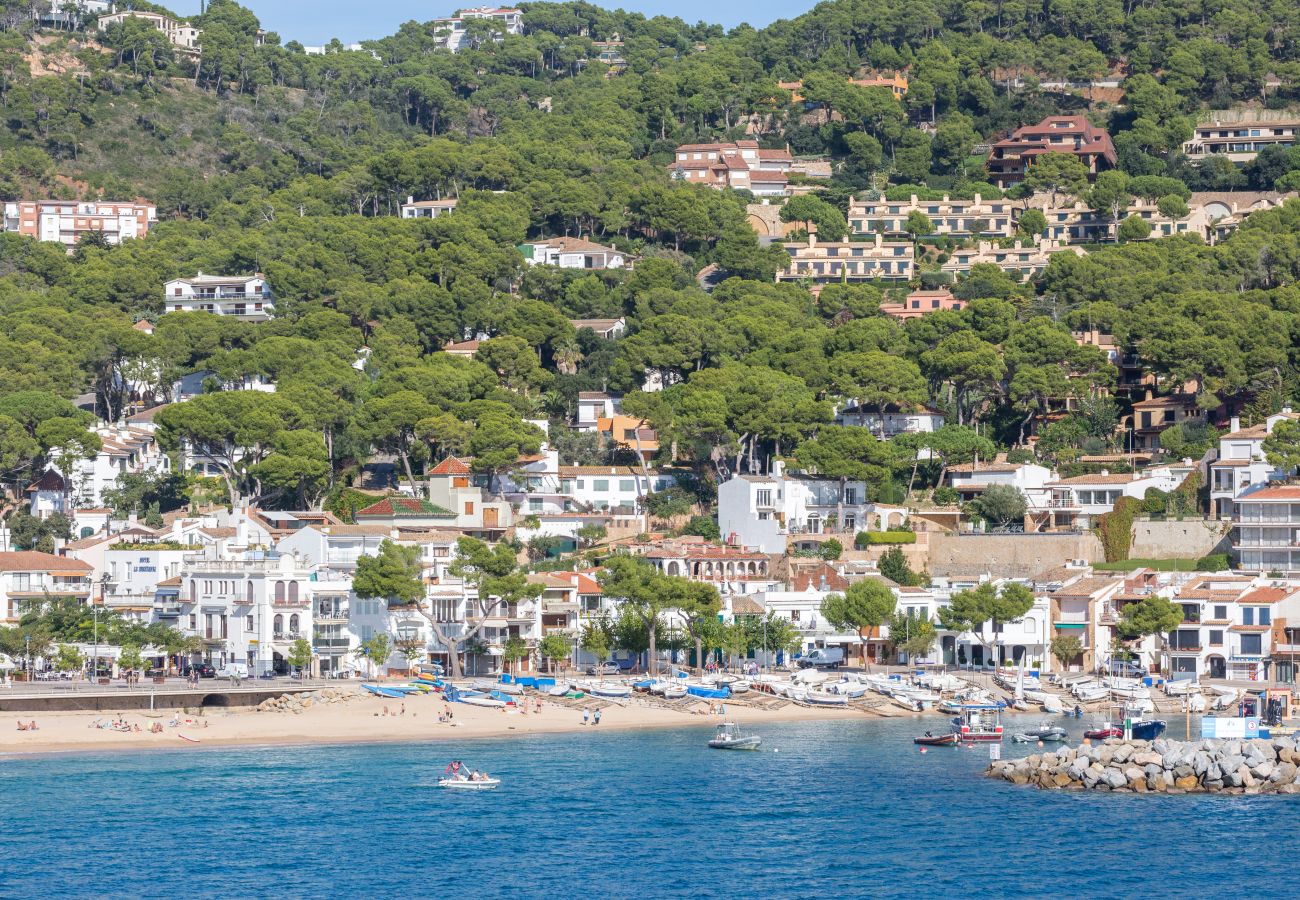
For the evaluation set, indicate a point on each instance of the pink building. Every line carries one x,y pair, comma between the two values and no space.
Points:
66,221
919,303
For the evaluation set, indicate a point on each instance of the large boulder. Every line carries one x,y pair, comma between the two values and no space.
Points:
1115,778
1186,783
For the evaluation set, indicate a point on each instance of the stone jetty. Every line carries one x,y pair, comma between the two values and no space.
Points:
1262,766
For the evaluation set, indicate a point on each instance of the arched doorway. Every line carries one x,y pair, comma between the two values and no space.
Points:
1217,666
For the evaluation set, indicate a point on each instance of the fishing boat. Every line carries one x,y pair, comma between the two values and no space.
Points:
380,691
674,691
851,689
979,722
1091,693
951,739
1182,688
462,783
731,736
601,689
707,692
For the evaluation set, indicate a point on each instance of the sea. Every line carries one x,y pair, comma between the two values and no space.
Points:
825,809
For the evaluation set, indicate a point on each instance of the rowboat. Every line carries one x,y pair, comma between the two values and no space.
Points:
465,784
610,690
824,698
481,700
674,691
731,736
951,739
1181,688
380,691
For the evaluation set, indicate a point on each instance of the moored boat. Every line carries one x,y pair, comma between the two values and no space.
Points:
979,722
952,738
731,736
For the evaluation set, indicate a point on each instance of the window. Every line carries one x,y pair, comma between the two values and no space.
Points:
794,615
279,592
277,624
600,485
248,623
293,623
293,592
850,495
1265,616
194,620
1216,637
1251,644
1220,613
627,485
469,507
1248,615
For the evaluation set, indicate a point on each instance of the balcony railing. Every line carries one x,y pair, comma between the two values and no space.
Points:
287,636
1185,648
331,643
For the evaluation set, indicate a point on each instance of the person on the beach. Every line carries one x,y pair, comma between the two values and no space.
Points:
586,713
597,717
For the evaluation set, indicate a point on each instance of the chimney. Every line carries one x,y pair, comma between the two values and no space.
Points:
812,235
1234,424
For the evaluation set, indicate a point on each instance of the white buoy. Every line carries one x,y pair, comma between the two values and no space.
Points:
923,749
776,749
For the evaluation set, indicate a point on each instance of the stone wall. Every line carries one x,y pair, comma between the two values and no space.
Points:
1160,766
1012,555
1180,539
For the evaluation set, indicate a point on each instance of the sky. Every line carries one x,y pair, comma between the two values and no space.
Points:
316,21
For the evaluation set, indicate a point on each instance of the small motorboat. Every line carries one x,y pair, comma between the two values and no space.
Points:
1046,732
1100,734
464,783
951,739
674,691
731,736
1091,693
825,698
610,690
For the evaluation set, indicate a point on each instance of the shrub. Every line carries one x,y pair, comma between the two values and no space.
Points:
1214,562
1021,455
831,550
1115,529
946,496
867,538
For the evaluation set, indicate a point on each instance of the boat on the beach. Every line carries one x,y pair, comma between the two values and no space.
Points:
708,693
731,736
601,689
674,692
382,691
951,739
560,690
462,783
1091,693
482,700
825,698
1182,687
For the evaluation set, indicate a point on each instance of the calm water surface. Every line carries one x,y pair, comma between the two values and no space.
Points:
833,808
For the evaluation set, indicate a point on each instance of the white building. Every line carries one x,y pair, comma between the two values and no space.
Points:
1077,502
573,253
246,297
427,209
183,36
763,511
950,216
1266,536
971,479
125,449
1227,628
892,419
594,406
26,575
1241,463
452,34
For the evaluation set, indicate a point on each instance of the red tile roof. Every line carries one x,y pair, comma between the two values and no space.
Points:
1264,595
1280,492
450,466
34,561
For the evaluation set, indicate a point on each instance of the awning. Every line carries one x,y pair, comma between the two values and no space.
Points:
1071,624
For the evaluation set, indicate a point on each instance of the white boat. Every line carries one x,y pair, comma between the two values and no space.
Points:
466,784
558,691
512,689
1131,693
809,676
1139,707
1093,693
1182,687
739,687
1052,704
674,692
851,689
483,701
824,698
601,689
1196,703
1225,697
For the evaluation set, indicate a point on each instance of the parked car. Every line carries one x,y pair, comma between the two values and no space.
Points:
234,670
608,668
1126,668
205,670
830,657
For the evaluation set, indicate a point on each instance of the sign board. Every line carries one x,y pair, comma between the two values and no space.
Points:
1232,728
995,751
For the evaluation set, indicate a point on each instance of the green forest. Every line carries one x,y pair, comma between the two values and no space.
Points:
260,157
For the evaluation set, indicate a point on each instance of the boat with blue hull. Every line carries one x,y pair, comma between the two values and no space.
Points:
380,691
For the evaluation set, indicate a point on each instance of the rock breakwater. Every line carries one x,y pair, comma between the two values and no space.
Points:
1263,766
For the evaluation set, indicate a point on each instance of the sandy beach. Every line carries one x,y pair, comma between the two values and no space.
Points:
359,719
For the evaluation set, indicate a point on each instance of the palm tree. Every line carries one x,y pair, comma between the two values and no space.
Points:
567,355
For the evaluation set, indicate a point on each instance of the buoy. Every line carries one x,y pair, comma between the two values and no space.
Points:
924,749
776,749
1040,743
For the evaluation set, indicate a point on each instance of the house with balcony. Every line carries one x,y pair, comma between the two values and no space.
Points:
573,253
28,575
1241,463
973,478
1285,657
456,32
732,569
921,303
67,221
605,329
1227,627
951,216
48,495
1154,414
742,165
1241,136
1266,528
244,297
1076,609
333,642
834,262
247,607
124,450
460,501
1010,158
767,512
1076,503
887,420
594,406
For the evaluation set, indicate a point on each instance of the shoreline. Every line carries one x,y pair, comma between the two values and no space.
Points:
359,720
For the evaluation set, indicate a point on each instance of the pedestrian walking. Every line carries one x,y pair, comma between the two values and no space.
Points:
597,717
586,714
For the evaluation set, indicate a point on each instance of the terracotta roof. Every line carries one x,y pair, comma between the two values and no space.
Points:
453,346
35,561
147,414
594,395
174,581
425,535
219,533
1280,492
363,529
965,468
1250,629
404,506
1265,595
49,481
1086,587
572,244
625,471
806,581
1115,478
1160,402
450,466
143,325
744,606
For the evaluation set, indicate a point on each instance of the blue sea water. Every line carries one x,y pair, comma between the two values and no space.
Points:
839,808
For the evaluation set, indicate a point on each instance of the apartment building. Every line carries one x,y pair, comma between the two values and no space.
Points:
26,575
1021,261
246,297
1226,630
67,221
1077,503
1011,157
573,253
742,165
848,261
1154,414
124,449
454,32
950,216
1240,141
732,570
183,36
1266,528
1241,464
459,495
1078,606
428,209
887,420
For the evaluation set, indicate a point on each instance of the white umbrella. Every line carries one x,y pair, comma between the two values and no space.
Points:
6,663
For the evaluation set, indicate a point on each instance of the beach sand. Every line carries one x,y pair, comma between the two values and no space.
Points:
359,720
